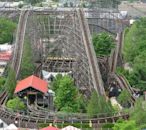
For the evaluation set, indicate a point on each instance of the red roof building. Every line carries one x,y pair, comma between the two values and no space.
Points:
32,82
5,56
33,90
49,128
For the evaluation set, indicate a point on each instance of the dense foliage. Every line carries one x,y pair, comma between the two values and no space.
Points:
125,125
138,113
2,81
103,44
7,28
15,104
33,2
98,104
137,120
27,65
55,0
10,83
67,97
135,53
110,3
124,98
105,3
56,82
132,0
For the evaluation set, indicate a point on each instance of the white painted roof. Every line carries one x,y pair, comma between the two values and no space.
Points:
70,128
5,125
11,127
2,63
47,75
10,4
132,21
5,47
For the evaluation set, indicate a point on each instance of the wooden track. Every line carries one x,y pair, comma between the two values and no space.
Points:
35,117
18,50
121,80
96,76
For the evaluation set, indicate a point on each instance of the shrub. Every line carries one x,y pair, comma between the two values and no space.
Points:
124,97
10,83
98,104
15,104
7,27
27,65
103,44
67,95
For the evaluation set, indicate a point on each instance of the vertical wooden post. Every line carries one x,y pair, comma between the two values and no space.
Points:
36,99
145,95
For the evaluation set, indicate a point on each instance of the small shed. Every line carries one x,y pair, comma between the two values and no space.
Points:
34,90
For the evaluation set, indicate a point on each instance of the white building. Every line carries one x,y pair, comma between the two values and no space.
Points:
48,75
10,4
6,47
2,125
131,21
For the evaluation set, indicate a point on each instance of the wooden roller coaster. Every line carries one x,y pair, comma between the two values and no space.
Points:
35,117
121,80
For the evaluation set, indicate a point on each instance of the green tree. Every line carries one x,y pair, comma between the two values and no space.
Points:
105,3
33,2
93,106
56,82
132,1
65,4
124,98
97,104
27,65
55,0
2,82
15,104
7,27
125,125
103,44
135,43
137,120
82,103
138,113
10,83
67,95
110,3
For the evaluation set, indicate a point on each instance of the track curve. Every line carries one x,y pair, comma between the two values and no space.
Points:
32,120
121,80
